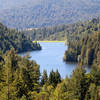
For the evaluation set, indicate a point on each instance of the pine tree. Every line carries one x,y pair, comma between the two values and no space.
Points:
57,77
8,89
44,77
51,79
54,78
78,83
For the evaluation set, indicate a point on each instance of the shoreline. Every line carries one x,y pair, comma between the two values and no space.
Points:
48,41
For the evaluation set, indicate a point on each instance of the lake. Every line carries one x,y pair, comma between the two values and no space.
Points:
51,57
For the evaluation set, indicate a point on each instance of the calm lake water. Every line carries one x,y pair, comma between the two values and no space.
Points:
51,57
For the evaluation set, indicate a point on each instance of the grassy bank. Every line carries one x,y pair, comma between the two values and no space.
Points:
49,41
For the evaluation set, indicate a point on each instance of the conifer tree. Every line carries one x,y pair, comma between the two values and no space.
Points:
78,83
44,77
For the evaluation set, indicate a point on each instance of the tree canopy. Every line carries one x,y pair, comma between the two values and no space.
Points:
11,38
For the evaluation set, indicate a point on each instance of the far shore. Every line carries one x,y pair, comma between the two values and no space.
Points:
49,41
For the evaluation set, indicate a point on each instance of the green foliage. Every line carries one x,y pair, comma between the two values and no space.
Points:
20,80
10,38
71,32
92,46
44,77
70,55
80,86
20,76
84,46
73,88
78,83
54,78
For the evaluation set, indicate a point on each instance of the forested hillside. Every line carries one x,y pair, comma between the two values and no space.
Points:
11,38
63,32
90,52
20,79
84,46
42,13
47,33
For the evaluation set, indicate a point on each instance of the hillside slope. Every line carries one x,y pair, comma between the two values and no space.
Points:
63,32
84,46
39,13
10,38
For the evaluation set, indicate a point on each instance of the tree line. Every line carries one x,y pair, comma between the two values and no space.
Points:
12,38
64,31
84,46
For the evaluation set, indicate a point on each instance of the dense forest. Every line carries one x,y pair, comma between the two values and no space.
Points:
47,33
84,46
64,31
90,51
11,38
20,79
23,14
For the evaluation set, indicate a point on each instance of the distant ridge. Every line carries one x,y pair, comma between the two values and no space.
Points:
23,14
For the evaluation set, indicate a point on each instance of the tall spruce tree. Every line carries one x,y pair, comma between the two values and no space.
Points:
44,77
